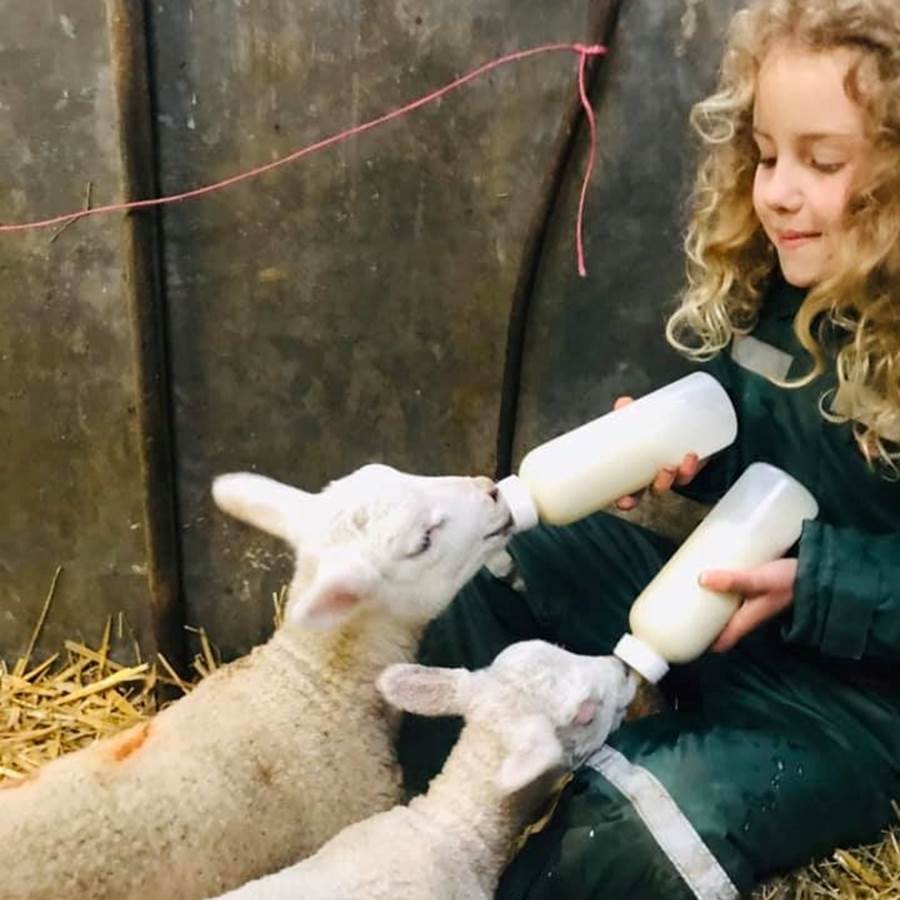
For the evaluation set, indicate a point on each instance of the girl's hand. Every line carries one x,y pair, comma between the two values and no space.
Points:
665,478
766,591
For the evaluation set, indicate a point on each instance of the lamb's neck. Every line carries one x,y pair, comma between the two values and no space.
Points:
464,804
354,653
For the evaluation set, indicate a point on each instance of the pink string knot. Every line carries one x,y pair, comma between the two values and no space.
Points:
589,49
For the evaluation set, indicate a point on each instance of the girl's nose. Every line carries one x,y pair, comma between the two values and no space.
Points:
782,190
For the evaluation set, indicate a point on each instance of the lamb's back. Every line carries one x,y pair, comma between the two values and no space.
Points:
244,776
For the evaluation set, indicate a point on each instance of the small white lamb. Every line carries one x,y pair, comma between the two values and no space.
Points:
535,712
272,755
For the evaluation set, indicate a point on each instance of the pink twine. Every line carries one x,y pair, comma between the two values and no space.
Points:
592,122
584,51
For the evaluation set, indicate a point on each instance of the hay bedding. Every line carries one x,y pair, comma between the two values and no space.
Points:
865,873
81,694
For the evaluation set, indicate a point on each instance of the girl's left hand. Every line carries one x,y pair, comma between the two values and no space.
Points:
766,591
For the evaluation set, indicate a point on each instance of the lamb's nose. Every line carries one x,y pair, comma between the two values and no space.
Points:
485,484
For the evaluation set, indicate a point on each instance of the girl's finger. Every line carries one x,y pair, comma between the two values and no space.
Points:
718,580
749,584
749,616
622,401
664,480
688,469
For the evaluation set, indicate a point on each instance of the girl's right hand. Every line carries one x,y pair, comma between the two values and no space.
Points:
666,477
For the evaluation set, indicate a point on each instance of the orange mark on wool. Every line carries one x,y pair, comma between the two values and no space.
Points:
128,742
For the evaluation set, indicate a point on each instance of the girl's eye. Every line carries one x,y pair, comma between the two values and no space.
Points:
827,168
766,161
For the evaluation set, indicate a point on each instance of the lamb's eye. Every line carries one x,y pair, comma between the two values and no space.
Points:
424,544
428,536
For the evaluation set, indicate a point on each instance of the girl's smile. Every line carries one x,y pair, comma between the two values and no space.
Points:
792,239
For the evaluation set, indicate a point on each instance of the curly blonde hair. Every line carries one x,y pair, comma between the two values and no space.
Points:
729,258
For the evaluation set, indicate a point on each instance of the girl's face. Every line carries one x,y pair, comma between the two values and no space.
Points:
813,150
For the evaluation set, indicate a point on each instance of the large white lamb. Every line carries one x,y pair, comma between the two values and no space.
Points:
272,755
536,711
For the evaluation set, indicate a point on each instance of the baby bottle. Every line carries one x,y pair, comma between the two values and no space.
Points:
586,469
674,619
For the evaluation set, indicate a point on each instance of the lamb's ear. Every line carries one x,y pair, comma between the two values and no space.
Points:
424,690
532,749
262,502
343,580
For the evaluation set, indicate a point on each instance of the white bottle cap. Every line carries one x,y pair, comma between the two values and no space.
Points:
518,498
641,657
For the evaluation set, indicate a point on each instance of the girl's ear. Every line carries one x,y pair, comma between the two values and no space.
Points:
424,690
343,581
262,502
532,750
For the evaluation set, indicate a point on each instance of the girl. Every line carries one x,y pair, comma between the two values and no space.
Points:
785,743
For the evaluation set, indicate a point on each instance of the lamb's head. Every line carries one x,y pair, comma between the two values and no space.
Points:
376,539
550,708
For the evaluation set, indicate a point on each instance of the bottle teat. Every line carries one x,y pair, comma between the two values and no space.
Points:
518,498
641,657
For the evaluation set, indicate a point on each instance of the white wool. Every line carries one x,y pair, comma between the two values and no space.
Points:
272,755
535,712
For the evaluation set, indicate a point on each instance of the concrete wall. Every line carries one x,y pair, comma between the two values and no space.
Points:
84,459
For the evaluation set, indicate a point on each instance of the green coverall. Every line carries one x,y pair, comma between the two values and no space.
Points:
771,754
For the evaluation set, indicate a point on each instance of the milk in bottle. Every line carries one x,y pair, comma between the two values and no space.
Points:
588,468
674,619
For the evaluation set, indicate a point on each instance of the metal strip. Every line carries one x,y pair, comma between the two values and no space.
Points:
141,250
